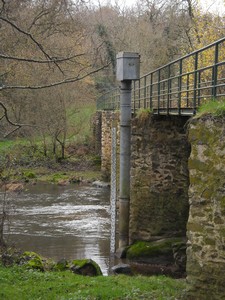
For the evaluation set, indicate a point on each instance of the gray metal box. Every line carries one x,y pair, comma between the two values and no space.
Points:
128,66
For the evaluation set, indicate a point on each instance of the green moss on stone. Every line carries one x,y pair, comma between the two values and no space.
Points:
81,263
195,227
209,241
61,265
199,165
142,249
222,202
32,260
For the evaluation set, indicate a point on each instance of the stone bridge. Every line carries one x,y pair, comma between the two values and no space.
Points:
177,166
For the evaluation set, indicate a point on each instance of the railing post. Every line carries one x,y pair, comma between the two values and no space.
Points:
151,91
168,90
187,94
215,72
134,97
145,91
199,88
180,85
159,89
195,82
128,69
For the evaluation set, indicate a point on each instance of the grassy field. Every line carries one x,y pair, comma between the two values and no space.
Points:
18,283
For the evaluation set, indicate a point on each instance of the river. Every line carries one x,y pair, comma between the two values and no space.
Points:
71,222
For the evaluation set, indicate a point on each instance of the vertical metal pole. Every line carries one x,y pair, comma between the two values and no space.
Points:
125,138
113,192
128,69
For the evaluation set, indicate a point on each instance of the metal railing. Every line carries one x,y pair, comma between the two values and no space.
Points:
109,100
178,87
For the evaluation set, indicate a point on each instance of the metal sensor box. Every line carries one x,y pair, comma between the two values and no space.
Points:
128,66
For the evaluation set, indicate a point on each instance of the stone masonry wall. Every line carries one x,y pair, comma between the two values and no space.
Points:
97,131
206,224
109,119
159,177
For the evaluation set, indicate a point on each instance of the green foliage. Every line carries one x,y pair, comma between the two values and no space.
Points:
143,115
59,176
97,160
213,107
6,144
33,284
102,32
29,174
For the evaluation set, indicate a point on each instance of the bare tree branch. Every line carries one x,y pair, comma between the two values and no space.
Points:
18,126
65,81
30,60
40,15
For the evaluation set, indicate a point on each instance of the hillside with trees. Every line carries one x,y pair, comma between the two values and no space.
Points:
58,56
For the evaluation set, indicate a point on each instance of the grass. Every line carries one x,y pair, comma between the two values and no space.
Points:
18,283
213,107
143,115
6,145
76,176
81,121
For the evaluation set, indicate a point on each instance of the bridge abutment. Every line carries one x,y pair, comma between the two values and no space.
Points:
206,223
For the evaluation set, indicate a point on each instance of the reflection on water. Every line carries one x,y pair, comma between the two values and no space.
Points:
63,222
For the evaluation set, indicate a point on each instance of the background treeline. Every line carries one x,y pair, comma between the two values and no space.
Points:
57,56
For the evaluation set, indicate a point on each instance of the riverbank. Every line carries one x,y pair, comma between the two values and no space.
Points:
21,163
19,283
63,173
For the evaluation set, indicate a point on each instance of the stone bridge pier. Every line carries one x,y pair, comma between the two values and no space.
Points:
159,177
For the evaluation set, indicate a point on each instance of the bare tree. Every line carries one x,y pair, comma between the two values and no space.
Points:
42,46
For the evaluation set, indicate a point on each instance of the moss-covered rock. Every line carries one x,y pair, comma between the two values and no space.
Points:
157,252
85,267
31,260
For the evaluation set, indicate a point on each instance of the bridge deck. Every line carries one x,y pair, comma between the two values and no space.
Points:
175,111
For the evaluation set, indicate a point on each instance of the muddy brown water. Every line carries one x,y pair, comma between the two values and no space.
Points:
71,222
